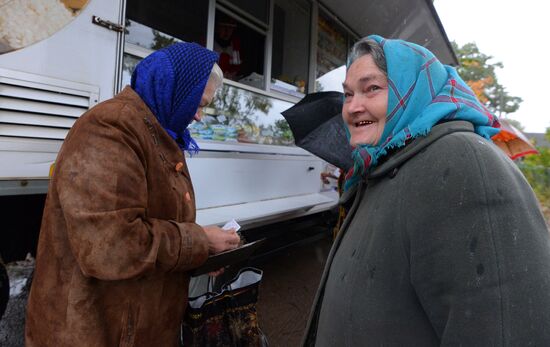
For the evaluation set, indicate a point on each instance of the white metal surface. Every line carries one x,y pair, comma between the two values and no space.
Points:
35,119
30,164
10,90
40,107
268,210
250,148
45,87
80,52
36,113
229,179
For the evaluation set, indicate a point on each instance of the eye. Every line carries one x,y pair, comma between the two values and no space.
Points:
347,95
373,88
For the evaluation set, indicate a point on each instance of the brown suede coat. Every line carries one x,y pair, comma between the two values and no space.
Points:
118,234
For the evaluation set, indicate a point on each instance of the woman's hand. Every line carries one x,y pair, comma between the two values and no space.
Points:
220,240
325,175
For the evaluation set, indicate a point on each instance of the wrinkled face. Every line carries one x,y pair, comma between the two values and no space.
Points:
366,101
206,98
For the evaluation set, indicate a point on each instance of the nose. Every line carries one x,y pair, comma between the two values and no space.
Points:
198,115
356,105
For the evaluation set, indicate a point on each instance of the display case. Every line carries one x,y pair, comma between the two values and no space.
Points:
238,115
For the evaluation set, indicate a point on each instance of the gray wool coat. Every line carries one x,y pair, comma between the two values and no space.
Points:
445,244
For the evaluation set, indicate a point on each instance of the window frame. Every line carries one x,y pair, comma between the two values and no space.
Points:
264,29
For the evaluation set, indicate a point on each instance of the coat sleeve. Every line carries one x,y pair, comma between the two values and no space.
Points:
479,246
101,182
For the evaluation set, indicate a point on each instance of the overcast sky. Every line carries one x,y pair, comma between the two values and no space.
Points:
515,33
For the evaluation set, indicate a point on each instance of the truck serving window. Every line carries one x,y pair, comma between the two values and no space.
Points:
241,49
246,109
291,32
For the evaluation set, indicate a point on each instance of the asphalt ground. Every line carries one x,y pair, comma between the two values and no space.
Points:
290,281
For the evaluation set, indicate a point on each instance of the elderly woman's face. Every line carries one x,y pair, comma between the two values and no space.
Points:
206,99
366,101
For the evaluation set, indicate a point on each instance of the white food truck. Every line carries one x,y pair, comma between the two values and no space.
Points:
58,58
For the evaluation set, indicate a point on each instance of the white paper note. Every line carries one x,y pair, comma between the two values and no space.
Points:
232,224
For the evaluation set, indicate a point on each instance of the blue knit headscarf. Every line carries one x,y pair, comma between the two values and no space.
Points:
171,82
421,92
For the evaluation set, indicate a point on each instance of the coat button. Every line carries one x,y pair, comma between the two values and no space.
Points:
393,172
179,166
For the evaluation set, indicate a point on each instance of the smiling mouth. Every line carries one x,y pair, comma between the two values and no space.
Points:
363,123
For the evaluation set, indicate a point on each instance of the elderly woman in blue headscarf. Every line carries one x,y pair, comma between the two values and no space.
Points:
118,235
445,243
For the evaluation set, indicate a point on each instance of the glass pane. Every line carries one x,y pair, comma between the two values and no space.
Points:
290,46
143,36
238,115
241,51
129,63
331,46
258,9
156,24
235,115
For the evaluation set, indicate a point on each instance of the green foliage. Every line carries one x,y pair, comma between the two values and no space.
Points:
241,108
540,160
539,177
516,124
283,130
479,72
536,169
474,65
161,40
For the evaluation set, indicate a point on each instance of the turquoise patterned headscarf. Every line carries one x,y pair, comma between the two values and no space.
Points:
421,92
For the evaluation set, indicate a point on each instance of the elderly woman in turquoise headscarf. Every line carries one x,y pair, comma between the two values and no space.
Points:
119,236
445,243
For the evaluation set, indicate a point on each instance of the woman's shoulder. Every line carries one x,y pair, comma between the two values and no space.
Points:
450,144
466,147
125,112
119,108
466,156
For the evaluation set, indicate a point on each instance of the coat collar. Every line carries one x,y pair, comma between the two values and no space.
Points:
418,145
165,144
399,157
128,94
